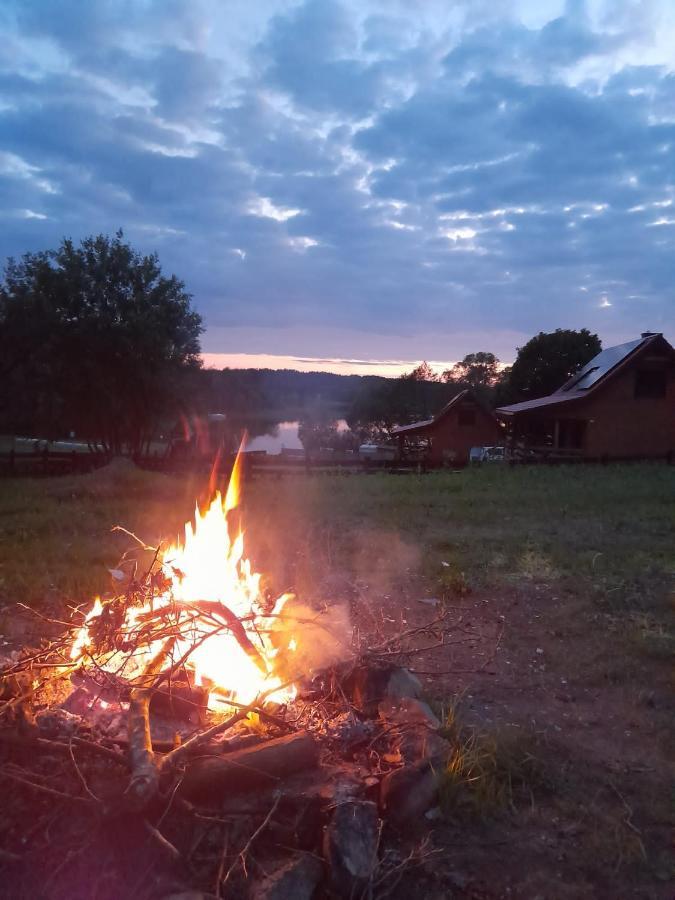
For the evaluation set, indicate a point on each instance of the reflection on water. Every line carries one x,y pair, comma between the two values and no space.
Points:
283,436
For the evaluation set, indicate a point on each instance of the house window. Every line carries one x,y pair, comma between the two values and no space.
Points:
650,383
466,416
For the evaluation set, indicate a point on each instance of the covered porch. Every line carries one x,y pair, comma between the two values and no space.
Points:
544,435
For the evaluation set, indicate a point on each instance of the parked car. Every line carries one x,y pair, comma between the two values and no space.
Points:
378,452
487,454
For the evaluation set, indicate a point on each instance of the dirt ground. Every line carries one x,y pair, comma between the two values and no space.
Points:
585,750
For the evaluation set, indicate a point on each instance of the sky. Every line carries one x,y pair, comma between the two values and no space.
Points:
354,185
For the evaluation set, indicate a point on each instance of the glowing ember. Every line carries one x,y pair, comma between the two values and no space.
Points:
213,602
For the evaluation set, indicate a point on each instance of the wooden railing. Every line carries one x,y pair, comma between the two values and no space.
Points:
537,453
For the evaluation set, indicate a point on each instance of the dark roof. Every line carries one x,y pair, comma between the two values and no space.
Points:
593,374
426,423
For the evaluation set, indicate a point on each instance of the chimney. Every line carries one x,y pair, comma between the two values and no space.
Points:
646,334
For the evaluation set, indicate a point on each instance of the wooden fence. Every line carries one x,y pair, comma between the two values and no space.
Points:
261,464
45,463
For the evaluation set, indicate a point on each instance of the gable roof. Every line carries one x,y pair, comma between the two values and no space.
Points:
466,394
592,375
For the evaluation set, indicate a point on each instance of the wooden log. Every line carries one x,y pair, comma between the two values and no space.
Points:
214,778
144,781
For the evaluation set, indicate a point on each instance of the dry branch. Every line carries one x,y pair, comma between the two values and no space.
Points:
144,781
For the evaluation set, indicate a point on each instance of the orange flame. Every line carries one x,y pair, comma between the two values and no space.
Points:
208,569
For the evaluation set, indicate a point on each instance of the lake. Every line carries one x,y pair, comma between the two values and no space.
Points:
284,437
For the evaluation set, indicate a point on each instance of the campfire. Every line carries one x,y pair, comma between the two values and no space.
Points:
231,714
199,609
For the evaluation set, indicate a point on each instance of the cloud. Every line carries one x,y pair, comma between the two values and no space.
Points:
408,171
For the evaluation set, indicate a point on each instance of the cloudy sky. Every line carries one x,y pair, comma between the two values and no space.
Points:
351,179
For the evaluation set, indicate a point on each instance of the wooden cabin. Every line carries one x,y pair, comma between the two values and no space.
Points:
448,437
621,405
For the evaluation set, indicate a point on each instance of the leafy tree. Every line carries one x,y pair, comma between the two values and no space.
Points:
423,372
100,340
476,370
546,361
375,411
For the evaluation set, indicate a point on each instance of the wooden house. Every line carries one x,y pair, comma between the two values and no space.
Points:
448,437
621,405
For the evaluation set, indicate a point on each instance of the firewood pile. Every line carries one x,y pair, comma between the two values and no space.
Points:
121,782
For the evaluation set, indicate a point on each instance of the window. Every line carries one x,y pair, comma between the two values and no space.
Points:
586,380
650,383
466,416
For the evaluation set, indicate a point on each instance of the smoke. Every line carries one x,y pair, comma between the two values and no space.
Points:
318,638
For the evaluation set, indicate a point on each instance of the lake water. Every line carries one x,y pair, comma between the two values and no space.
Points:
285,437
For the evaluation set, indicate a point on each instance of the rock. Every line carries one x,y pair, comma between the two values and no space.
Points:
415,738
57,722
368,685
295,880
346,730
403,683
408,711
350,846
407,793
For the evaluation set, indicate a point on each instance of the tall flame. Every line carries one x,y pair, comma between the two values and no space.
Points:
206,573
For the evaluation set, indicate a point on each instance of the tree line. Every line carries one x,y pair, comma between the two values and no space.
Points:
98,343
541,366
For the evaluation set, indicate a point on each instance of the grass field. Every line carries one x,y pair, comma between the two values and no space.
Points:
575,564
610,532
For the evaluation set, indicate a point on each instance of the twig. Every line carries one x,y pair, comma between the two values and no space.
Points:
83,780
269,717
175,757
215,608
221,863
629,816
134,537
241,856
163,842
43,789
9,736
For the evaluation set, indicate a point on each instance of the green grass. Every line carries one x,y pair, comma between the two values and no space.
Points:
607,532
56,542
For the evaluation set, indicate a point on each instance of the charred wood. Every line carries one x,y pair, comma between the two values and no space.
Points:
215,778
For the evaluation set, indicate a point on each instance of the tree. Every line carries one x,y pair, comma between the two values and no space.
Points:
546,361
376,409
423,372
99,340
476,370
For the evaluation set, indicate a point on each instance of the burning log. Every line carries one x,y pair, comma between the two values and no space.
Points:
213,778
144,781
219,610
